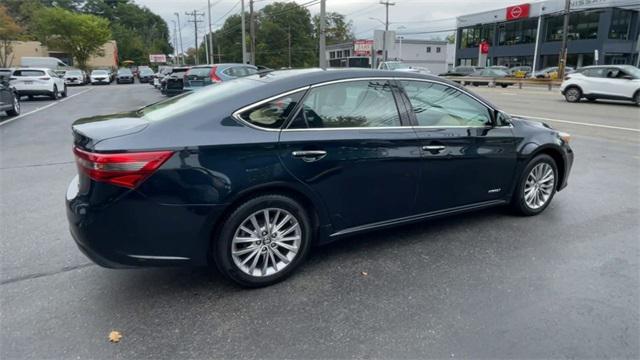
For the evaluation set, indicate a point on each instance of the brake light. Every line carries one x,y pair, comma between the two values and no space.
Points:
45,78
213,75
122,169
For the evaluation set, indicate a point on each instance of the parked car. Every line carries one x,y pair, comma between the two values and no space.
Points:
400,66
499,67
75,77
6,72
551,72
614,82
125,76
489,74
38,81
516,69
145,75
9,98
173,83
203,75
248,174
460,71
100,77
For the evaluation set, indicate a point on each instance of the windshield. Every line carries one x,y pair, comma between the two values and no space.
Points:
73,73
99,72
146,72
189,101
631,70
124,72
396,66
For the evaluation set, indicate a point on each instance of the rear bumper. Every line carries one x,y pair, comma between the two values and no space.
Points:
33,92
134,231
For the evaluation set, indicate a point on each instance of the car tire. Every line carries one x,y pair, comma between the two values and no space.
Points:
240,255
64,92
504,85
573,94
535,189
637,98
15,110
54,94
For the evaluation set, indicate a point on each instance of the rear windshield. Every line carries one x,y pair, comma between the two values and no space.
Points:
28,73
186,102
200,71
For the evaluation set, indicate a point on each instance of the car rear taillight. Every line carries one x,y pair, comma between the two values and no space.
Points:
122,169
213,75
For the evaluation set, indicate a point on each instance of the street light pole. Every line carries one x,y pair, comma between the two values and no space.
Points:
176,49
180,34
211,59
244,33
322,51
386,28
563,49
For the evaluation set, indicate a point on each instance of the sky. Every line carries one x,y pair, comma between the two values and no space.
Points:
408,15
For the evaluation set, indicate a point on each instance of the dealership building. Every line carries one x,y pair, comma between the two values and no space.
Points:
600,32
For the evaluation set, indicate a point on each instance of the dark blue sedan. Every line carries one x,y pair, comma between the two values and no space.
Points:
249,173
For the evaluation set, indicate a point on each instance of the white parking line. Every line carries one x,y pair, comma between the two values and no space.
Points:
579,123
44,107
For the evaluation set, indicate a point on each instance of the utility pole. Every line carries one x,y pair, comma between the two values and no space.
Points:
289,39
175,42
195,22
180,34
252,32
206,48
563,48
323,43
211,60
386,28
244,33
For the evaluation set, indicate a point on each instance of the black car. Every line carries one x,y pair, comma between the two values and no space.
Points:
173,83
461,71
9,99
249,173
145,75
490,75
125,76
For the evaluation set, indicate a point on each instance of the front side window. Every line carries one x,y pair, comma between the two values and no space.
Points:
595,72
444,106
274,113
364,103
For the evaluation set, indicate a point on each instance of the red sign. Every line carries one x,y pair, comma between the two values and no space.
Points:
518,12
484,47
362,47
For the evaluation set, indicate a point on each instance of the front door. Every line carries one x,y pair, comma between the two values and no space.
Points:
466,159
352,147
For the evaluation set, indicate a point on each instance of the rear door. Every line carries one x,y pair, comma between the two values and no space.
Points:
351,145
466,159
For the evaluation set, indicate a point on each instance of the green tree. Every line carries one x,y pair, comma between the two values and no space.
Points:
9,31
81,35
337,28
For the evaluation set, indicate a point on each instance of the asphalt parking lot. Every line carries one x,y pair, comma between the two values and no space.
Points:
564,284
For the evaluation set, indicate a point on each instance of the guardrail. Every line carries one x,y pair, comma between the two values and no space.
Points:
504,82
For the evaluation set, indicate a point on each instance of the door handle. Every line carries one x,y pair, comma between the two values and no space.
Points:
433,147
309,155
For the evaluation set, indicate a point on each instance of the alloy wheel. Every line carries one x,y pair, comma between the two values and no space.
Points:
16,105
266,242
573,95
539,185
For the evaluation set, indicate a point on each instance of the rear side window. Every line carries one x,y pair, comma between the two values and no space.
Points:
274,113
361,103
28,73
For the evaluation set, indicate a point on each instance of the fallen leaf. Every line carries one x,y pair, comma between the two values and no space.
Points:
115,336
364,273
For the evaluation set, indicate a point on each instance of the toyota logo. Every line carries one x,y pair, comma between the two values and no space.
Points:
516,12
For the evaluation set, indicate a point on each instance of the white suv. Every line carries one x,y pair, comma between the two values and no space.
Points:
38,81
615,82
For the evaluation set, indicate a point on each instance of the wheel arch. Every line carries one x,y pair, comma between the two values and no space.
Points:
315,209
556,155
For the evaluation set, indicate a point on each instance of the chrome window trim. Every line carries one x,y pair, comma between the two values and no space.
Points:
237,117
236,114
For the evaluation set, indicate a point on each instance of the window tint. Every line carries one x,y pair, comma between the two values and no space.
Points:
28,73
349,104
595,72
440,105
273,113
200,71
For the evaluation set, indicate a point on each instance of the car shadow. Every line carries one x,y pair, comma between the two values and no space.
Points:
609,102
207,280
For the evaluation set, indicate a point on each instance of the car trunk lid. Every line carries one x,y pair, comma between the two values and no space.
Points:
88,132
